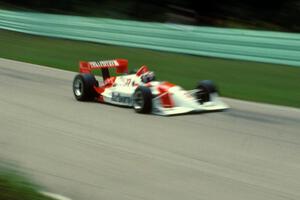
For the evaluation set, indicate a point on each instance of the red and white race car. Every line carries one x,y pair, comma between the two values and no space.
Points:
141,91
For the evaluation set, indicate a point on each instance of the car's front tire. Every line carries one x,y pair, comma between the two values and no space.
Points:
205,89
142,100
83,87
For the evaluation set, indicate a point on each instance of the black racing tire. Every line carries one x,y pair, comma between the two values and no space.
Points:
205,88
142,100
83,87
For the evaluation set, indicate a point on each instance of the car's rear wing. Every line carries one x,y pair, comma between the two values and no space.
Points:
121,65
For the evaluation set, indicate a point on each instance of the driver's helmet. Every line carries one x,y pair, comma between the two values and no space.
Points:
147,77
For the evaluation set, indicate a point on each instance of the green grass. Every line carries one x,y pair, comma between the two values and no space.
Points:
275,84
14,186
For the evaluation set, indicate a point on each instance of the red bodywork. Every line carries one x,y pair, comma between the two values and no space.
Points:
166,99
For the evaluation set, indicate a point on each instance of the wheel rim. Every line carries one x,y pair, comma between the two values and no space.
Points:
78,87
138,100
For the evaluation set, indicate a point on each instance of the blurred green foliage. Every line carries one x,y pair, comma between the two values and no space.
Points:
271,15
15,186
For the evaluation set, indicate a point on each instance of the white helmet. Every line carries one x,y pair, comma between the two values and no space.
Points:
147,77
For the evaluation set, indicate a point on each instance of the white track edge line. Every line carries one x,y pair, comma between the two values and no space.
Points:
55,196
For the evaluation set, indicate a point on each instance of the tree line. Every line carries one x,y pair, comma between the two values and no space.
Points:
256,13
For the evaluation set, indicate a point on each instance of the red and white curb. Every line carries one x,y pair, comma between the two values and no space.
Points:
55,196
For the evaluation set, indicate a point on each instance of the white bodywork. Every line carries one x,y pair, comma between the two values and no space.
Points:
186,102
121,93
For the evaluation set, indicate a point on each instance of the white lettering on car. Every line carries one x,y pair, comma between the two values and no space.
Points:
122,99
105,63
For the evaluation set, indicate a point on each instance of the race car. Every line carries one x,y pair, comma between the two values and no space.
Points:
141,91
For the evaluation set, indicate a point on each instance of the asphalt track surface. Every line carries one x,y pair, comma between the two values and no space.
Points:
91,151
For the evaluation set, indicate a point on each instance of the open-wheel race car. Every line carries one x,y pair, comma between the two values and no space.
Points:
141,91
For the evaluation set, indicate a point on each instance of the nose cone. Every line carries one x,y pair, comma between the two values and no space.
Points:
182,98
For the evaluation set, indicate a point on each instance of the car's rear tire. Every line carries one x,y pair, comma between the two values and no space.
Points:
83,87
142,100
205,88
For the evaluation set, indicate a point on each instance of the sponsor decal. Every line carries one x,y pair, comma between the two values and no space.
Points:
121,99
124,82
128,81
105,63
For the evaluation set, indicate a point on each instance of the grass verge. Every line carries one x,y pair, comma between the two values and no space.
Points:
14,186
269,83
